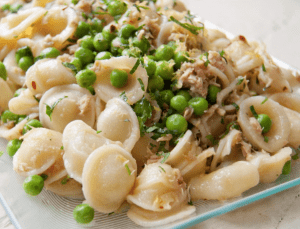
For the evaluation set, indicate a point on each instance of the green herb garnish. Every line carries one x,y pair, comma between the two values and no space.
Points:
128,169
141,83
49,109
240,80
71,66
266,139
123,96
265,100
165,155
263,68
236,106
212,139
162,168
287,168
253,112
193,29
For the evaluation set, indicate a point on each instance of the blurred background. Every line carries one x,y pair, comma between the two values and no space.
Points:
275,22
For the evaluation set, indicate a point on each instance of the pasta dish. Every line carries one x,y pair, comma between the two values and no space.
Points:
140,104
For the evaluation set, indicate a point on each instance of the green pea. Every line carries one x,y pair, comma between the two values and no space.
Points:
100,43
87,42
9,116
156,83
212,93
83,213
199,105
21,52
3,73
143,44
185,94
118,45
176,122
88,66
75,1
18,92
25,62
103,55
151,57
13,146
265,122
165,70
118,78
83,29
96,25
50,52
116,7
178,103
150,67
33,185
109,33
77,63
164,52
86,56
86,78
31,123
132,52
179,58
166,96
127,31
173,45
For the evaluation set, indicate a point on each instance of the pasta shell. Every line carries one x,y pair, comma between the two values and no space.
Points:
14,73
74,103
132,89
159,188
71,188
18,24
118,122
5,95
108,176
47,73
39,150
280,129
188,157
79,141
270,167
225,183
25,103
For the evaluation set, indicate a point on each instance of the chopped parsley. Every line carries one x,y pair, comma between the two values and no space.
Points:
162,168
46,13
240,81
207,60
253,111
165,155
65,180
287,168
128,169
49,109
139,7
212,139
44,176
236,106
222,120
62,147
110,213
222,55
266,139
263,68
99,131
151,129
141,83
193,29
190,203
234,125
189,17
265,100
136,65
123,96
71,66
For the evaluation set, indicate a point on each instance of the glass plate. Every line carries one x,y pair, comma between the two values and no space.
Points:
49,211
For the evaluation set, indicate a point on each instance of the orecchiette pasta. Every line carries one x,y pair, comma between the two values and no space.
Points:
227,182
108,176
118,122
5,96
69,102
40,77
39,150
132,89
79,141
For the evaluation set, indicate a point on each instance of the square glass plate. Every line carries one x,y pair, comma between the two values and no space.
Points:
48,210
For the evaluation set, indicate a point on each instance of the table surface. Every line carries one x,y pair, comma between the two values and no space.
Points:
277,24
